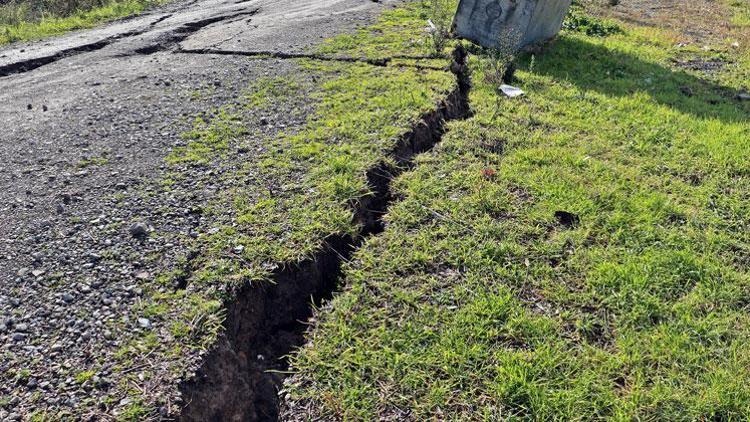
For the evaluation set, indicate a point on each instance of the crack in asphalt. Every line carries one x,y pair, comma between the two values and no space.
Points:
160,20
184,31
165,42
380,62
28,65
286,55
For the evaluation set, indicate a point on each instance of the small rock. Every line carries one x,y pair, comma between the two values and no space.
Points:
102,383
67,297
23,327
38,273
18,336
743,96
138,230
144,323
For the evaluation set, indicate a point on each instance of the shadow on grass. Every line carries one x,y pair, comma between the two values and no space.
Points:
616,73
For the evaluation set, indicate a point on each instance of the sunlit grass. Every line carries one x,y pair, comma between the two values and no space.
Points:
478,303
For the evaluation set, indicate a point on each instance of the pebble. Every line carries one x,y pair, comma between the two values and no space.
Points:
144,323
138,230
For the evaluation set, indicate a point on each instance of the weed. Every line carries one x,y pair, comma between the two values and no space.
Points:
441,17
589,25
84,376
92,162
498,61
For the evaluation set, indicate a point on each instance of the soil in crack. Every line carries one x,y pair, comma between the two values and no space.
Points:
240,377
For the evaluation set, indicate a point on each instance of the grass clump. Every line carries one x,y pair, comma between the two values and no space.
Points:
592,26
440,21
84,376
578,254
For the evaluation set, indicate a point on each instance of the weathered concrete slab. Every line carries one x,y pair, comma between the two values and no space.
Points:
510,24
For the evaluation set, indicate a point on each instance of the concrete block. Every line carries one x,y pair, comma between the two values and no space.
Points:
512,24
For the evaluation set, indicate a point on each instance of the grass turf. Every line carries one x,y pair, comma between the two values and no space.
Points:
580,253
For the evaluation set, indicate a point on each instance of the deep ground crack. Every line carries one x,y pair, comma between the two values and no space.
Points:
240,377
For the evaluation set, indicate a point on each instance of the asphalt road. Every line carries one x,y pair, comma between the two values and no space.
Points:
87,121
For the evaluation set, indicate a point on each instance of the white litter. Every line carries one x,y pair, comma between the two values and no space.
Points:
511,91
431,28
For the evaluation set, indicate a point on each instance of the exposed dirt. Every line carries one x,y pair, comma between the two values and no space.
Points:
698,21
710,65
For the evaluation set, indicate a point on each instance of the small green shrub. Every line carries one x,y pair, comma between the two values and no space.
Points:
590,26
441,18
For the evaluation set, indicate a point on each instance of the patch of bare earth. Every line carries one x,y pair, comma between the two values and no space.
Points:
695,21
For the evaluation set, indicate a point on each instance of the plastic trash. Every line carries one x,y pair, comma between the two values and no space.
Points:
511,91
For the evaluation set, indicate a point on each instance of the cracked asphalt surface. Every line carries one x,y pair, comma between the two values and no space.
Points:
88,119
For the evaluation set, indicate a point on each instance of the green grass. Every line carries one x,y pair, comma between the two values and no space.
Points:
84,376
15,25
741,11
477,303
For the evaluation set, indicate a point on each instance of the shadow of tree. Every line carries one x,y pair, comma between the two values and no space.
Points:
617,73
